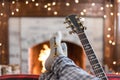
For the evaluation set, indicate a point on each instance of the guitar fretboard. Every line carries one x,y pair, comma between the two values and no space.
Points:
97,68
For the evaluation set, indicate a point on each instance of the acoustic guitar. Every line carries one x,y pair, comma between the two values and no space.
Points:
77,27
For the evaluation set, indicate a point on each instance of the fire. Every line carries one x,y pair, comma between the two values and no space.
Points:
44,53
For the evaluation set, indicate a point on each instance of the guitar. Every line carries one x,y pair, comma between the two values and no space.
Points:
77,27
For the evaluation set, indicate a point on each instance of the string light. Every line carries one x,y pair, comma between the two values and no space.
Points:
26,2
49,8
107,5
101,8
53,3
118,1
113,43
55,12
45,6
13,2
82,13
17,10
108,36
76,1
36,4
111,5
111,13
109,29
12,13
110,41
114,62
33,0
84,10
105,16
3,3
0,44
93,4
49,4
67,4
118,14
1,14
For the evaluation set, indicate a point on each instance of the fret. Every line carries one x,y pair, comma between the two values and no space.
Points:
84,41
92,57
100,74
87,46
82,35
89,52
94,61
96,66
98,71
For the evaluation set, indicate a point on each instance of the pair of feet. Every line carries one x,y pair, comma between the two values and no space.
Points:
57,49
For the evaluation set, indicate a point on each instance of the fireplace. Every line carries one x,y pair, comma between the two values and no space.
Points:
75,52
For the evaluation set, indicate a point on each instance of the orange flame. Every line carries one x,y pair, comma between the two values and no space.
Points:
44,53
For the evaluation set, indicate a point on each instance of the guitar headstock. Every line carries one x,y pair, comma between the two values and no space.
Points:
75,23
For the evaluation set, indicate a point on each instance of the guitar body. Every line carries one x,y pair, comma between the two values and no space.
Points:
77,27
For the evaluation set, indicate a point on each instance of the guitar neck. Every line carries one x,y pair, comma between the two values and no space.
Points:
97,68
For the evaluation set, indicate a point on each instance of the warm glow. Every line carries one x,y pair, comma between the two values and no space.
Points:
49,8
54,3
26,2
118,1
36,4
111,5
33,0
13,2
93,4
111,13
12,13
17,10
44,53
49,4
76,1
1,14
3,4
82,13
114,62
109,29
45,6
101,8
84,10
110,41
55,13
108,36
105,16
113,43
118,14
67,4
107,5
0,44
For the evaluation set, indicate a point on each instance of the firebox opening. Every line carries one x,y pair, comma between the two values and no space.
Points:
75,52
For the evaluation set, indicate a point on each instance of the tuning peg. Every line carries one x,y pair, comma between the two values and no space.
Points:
70,32
67,20
68,26
85,27
77,17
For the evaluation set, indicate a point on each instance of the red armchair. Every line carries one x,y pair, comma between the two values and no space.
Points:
35,77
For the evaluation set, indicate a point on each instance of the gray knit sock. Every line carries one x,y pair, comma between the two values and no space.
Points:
57,49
